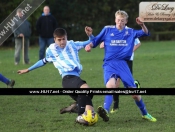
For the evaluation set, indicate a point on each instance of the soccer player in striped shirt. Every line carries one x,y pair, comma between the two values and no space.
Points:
64,56
119,43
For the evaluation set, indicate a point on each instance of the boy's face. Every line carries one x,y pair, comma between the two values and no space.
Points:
61,41
120,22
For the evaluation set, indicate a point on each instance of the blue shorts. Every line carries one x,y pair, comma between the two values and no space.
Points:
118,69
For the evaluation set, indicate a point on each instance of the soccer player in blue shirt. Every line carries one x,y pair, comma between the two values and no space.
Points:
118,48
64,56
130,65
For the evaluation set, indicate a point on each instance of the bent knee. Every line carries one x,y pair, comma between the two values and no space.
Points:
84,86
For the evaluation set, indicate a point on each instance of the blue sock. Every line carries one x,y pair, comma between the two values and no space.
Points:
108,102
141,106
4,79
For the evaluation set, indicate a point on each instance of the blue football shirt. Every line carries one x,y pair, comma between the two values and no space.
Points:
118,44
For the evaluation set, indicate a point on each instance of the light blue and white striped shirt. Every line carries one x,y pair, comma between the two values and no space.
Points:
136,42
66,60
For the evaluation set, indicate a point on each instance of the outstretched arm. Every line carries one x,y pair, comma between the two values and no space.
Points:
139,22
38,64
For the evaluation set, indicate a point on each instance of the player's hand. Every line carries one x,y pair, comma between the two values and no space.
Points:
102,45
22,71
88,48
88,30
139,21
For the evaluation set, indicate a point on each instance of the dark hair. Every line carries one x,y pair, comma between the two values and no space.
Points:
59,32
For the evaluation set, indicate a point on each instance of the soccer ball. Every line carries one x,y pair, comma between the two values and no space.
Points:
88,118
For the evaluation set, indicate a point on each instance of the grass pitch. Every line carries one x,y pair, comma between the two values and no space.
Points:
153,67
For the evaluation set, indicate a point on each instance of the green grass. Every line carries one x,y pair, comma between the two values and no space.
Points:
153,67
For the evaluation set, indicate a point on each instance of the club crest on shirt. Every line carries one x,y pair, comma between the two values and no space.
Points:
70,49
126,33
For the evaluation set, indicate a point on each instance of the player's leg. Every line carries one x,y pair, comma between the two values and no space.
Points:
116,99
4,79
109,98
76,82
74,97
128,82
72,108
86,102
140,104
10,83
116,96
110,81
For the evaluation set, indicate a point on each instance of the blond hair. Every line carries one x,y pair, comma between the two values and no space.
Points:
121,13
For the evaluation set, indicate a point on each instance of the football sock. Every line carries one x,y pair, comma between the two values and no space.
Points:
108,102
141,106
91,96
4,79
116,101
81,103
89,101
